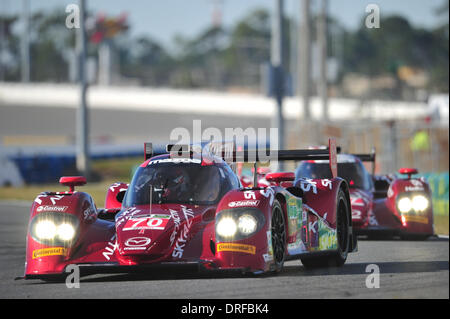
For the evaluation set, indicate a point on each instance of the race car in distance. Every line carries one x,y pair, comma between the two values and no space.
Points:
382,205
261,172
184,207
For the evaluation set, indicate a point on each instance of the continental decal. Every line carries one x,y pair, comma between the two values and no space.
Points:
54,251
416,219
249,249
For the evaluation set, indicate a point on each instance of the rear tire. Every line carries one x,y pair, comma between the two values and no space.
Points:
338,258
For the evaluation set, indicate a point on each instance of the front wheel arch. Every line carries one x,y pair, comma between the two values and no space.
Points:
336,258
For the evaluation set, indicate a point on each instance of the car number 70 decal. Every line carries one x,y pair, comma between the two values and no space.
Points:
147,222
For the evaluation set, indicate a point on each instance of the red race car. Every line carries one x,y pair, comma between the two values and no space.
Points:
382,205
184,207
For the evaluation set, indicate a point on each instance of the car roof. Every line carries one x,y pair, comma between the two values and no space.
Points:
204,160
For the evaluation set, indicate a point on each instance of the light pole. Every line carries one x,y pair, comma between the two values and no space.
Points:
276,59
83,163
25,43
322,41
305,57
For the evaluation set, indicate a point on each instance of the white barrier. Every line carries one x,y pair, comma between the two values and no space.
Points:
201,102
9,174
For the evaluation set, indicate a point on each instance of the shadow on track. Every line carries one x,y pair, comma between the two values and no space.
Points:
288,271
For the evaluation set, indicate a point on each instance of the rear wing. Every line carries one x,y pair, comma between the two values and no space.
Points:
227,151
368,158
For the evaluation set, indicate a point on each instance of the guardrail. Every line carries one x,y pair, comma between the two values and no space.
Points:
439,184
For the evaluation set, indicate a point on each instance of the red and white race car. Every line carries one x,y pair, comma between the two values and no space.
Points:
184,208
382,205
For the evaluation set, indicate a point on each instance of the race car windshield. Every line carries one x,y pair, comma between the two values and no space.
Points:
353,173
183,183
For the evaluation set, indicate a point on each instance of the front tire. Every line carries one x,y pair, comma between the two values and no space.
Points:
278,232
337,258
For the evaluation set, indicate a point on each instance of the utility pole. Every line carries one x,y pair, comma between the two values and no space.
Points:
322,41
25,42
2,41
276,59
305,57
83,163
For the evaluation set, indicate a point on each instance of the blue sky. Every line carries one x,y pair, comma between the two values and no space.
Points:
162,19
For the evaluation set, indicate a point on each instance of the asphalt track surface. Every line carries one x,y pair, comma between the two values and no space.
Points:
408,269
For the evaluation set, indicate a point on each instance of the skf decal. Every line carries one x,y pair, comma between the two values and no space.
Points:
176,221
249,249
54,251
181,242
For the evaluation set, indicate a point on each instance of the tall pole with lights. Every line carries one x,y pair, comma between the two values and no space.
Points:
25,42
276,59
83,162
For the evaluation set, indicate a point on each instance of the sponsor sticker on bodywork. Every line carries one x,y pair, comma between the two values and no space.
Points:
249,249
416,219
244,203
49,208
327,237
158,222
137,243
54,251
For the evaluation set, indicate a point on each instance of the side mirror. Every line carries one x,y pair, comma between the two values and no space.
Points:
115,195
72,181
120,195
408,171
280,177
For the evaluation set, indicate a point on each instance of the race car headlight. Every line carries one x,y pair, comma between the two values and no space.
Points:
65,232
238,223
404,205
45,230
226,227
247,224
420,203
51,228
